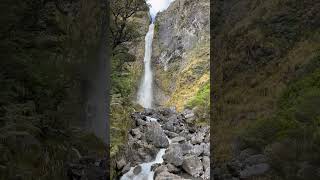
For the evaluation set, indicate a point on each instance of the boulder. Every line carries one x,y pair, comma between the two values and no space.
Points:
197,150
137,170
136,133
186,148
198,138
156,136
159,170
172,169
121,163
165,175
140,122
126,168
174,155
193,166
177,139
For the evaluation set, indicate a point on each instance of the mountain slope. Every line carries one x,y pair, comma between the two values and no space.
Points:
264,51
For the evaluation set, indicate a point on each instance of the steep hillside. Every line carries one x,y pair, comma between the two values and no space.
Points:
127,67
181,56
266,88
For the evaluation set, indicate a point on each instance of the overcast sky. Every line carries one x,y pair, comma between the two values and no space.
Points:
158,5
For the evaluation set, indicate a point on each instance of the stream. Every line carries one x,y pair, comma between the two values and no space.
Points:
146,173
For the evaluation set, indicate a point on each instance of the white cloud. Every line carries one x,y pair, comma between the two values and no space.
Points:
158,6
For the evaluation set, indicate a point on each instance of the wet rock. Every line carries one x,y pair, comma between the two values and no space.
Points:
155,166
137,170
156,136
126,168
193,166
254,170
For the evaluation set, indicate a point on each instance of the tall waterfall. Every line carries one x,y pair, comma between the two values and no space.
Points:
145,89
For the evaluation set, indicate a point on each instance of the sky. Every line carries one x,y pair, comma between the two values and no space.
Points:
158,5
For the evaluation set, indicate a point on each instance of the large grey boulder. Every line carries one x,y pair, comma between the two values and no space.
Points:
156,136
174,155
193,166
197,150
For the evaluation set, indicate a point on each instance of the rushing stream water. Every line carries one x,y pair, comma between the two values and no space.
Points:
145,173
145,90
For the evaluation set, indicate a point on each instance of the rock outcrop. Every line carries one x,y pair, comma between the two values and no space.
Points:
181,52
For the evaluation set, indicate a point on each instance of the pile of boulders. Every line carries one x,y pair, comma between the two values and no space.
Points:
187,154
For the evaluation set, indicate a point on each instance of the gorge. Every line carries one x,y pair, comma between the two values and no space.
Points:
165,143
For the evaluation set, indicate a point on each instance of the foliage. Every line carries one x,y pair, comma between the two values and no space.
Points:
291,136
122,30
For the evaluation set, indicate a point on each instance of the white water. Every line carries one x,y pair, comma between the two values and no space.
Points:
146,173
145,89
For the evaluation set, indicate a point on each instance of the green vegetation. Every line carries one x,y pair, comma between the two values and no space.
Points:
267,83
129,22
292,136
200,103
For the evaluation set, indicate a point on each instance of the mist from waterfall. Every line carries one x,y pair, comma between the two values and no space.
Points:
145,95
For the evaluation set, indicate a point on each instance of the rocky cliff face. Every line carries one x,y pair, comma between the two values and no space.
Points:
181,52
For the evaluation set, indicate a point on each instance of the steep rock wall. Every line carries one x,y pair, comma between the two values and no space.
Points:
181,52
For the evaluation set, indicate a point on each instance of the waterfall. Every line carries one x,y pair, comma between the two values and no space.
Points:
145,89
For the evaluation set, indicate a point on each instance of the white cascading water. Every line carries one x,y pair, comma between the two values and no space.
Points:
145,89
146,173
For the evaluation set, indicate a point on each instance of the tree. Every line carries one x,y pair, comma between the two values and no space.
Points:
122,30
